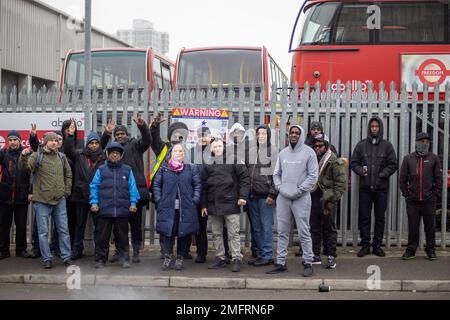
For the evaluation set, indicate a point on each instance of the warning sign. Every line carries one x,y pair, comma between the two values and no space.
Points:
215,119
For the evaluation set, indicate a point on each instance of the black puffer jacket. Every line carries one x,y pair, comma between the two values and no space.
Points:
379,157
85,164
421,177
14,183
133,156
222,186
260,164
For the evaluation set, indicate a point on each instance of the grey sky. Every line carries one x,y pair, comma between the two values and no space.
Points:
199,23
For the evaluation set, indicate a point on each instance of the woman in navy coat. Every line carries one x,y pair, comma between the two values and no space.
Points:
177,191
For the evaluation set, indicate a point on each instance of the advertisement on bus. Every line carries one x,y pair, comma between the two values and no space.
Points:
433,69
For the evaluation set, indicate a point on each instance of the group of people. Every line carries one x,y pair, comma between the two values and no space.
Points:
215,181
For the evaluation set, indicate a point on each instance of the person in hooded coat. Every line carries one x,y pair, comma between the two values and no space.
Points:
374,161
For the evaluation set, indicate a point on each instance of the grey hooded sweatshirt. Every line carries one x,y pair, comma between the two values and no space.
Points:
296,170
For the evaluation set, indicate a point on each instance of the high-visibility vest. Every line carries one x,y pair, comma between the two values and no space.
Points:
159,160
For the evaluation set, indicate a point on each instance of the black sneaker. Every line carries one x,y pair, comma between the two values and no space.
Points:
200,259
217,264
23,254
431,255
179,263
135,258
278,269
4,255
263,262
188,256
251,262
35,255
365,250
236,267
408,255
48,264
77,255
167,263
378,251
308,270
67,262
331,262
99,264
316,260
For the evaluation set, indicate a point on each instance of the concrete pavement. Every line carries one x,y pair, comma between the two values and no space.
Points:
351,274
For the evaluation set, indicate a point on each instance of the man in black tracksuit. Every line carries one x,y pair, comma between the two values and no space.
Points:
421,184
134,150
374,161
14,187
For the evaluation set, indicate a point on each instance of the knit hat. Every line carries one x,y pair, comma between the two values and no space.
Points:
202,131
176,126
49,136
422,135
14,134
316,124
120,128
321,138
92,136
114,146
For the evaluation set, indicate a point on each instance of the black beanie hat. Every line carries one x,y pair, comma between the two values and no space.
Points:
176,126
120,128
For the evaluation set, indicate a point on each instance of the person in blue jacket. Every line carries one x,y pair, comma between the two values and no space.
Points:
113,195
177,192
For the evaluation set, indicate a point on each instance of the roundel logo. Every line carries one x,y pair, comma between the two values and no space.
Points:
2,142
432,71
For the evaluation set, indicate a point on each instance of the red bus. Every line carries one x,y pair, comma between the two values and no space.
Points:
213,66
360,40
119,67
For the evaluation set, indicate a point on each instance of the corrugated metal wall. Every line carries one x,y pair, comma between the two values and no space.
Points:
35,38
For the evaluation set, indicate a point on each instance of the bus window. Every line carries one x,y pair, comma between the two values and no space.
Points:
413,23
317,24
166,76
352,24
157,73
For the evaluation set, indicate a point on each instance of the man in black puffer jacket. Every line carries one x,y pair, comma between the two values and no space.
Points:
14,187
85,163
134,150
374,161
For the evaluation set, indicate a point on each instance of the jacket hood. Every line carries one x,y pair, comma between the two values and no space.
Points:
302,139
380,134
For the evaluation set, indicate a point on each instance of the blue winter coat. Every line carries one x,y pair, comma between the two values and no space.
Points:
114,190
166,185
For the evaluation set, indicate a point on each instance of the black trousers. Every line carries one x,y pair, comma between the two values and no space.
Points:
427,212
368,199
104,229
135,222
323,227
7,212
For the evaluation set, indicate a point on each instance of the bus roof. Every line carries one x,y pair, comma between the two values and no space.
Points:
222,48
310,2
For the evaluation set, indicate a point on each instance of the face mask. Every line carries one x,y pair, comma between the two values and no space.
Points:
422,149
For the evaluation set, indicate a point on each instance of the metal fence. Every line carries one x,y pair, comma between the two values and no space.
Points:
344,116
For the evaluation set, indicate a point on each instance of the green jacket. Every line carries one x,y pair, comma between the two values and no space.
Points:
53,181
333,179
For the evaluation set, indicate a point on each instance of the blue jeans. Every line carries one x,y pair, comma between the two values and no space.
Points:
261,216
59,215
83,211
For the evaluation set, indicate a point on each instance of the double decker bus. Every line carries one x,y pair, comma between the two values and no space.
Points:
224,66
360,40
121,67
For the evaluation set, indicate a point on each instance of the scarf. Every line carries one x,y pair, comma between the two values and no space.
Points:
322,164
175,165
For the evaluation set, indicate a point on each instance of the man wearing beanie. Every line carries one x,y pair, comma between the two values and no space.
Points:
133,151
86,161
52,182
421,184
14,186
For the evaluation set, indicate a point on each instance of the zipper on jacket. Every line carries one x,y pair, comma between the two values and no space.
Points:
420,178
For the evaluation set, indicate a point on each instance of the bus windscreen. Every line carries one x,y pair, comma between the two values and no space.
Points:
109,68
220,67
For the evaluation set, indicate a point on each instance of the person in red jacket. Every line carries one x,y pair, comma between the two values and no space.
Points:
421,185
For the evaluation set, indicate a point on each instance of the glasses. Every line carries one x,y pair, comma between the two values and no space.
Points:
319,146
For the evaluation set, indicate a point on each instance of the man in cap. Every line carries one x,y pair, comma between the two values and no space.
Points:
421,185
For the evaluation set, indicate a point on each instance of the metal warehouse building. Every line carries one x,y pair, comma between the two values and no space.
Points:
34,40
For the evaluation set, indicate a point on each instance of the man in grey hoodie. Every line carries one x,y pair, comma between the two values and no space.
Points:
295,174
